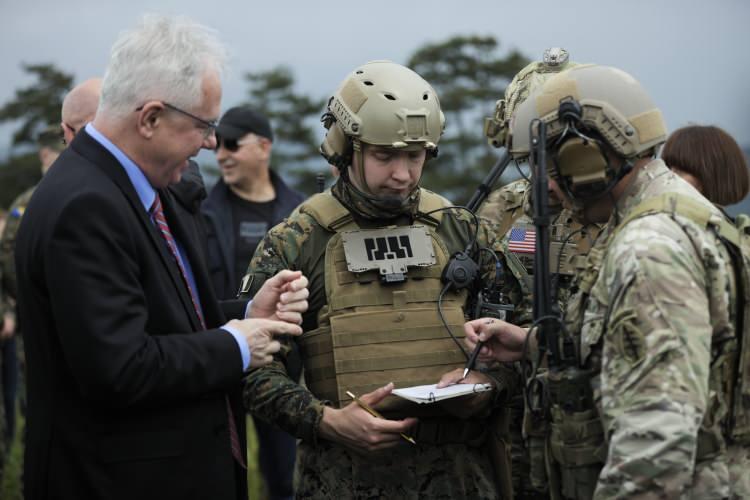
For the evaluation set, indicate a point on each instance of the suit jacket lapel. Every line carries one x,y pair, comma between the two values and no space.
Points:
90,148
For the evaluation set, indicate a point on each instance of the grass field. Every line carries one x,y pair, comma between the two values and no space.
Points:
10,488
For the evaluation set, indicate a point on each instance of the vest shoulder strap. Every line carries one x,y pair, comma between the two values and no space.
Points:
428,202
327,211
685,206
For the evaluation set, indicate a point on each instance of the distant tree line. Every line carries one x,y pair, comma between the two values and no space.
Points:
33,108
467,72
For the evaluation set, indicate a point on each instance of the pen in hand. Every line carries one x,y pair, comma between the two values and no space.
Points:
375,414
472,359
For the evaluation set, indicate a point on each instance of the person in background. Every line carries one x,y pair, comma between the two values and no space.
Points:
509,206
710,160
79,107
248,199
11,341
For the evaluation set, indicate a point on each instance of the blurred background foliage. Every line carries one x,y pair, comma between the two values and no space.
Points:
468,72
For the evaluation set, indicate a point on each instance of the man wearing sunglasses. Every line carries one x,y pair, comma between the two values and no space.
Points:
248,199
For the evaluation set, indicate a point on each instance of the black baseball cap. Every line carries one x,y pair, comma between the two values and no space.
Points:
242,120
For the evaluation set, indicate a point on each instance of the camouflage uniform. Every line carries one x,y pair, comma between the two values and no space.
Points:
651,316
8,288
325,469
8,243
509,207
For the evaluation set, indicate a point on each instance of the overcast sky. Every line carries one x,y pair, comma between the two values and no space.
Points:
691,55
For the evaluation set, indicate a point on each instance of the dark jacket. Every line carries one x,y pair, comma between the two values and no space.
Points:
189,194
220,232
126,393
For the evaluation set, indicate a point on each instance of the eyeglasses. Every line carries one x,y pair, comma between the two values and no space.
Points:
209,128
232,145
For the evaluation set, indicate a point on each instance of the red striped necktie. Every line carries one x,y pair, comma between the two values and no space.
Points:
157,212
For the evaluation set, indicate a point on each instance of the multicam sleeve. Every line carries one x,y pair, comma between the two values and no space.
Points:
7,246
490,236
269,393
504,205
505,377
656,354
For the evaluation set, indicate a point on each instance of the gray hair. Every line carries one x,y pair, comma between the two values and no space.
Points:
164,58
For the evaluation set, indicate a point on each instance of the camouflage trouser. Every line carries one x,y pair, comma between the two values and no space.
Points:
451,471
519,455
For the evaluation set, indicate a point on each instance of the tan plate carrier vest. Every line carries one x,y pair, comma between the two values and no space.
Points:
370,334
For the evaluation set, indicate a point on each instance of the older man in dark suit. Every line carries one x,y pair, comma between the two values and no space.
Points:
133,371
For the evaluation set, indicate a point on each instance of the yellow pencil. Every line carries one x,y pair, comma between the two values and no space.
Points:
375,414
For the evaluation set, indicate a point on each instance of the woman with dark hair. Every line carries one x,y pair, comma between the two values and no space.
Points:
709,159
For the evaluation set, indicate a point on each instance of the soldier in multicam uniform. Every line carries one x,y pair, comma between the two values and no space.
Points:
510,208
652,404
372,320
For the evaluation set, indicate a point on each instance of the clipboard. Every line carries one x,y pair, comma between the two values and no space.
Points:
426,394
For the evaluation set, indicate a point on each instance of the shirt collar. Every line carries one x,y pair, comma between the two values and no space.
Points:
146,193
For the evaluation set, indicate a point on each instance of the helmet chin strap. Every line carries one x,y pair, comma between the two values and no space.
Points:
580,204
358,165
625,168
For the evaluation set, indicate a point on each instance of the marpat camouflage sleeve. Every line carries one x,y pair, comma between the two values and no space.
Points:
269,392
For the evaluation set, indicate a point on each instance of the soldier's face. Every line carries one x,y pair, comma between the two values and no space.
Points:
389,172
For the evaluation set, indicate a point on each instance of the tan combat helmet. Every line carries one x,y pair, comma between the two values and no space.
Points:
582,108
496,127
381,103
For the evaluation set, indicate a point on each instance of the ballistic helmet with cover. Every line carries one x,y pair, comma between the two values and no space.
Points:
385,104
496,127
585,108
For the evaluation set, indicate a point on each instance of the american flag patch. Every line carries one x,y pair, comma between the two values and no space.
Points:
522,240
